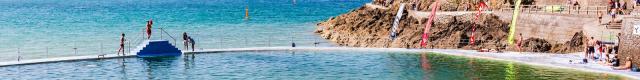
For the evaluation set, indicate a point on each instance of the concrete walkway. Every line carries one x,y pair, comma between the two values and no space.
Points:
591,28
423,14
63,59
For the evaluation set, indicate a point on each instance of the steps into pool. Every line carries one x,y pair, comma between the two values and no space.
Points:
156,48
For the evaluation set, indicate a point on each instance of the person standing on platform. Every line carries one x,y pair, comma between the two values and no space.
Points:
519,42
149,23
121,49
185,40
193,43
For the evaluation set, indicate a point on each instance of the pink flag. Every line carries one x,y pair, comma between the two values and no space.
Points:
472,39
425,35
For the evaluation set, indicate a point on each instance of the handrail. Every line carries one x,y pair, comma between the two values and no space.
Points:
235,42
135,40
565,9
165,32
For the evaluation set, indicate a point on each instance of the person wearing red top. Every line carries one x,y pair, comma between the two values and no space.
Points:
519,42
149,23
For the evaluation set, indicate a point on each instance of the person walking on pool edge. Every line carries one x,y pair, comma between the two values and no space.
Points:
149,23
519,42
121,49
193,43
185,40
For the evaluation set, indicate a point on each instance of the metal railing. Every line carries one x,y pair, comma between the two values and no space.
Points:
267,39
163,32
559,9
109,46
74,48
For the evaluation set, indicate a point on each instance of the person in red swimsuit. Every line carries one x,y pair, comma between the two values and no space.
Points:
149,23
519,43
121,49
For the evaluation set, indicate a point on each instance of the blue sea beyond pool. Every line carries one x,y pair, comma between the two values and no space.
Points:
35,29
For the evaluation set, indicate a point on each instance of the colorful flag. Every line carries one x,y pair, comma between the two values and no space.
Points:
512,28
393,33
425,34
481,6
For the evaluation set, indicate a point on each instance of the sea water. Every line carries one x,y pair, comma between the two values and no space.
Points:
33,29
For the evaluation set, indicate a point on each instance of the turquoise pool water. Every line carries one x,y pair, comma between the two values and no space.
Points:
296,65
94,26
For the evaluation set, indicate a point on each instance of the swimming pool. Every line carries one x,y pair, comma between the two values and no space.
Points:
327,65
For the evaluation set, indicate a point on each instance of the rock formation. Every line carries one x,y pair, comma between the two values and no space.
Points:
370,27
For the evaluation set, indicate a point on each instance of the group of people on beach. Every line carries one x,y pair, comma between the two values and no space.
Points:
606,53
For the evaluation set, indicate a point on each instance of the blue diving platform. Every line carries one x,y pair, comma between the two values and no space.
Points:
156,48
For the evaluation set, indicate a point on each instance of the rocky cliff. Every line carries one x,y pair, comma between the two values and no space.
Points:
369,27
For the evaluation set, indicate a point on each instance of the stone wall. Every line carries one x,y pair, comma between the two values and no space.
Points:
555,28
630,43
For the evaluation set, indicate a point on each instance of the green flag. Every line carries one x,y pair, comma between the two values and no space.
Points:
512,28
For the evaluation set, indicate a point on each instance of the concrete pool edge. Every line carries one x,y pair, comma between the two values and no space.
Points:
63,59
555,60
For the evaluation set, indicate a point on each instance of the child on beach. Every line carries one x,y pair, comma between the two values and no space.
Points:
121,49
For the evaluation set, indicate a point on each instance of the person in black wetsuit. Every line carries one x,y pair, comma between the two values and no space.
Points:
193,43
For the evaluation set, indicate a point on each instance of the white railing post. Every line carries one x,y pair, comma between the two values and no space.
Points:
129,48
19,55
75,48
143,34
46,52
246,43
101,48
161,33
